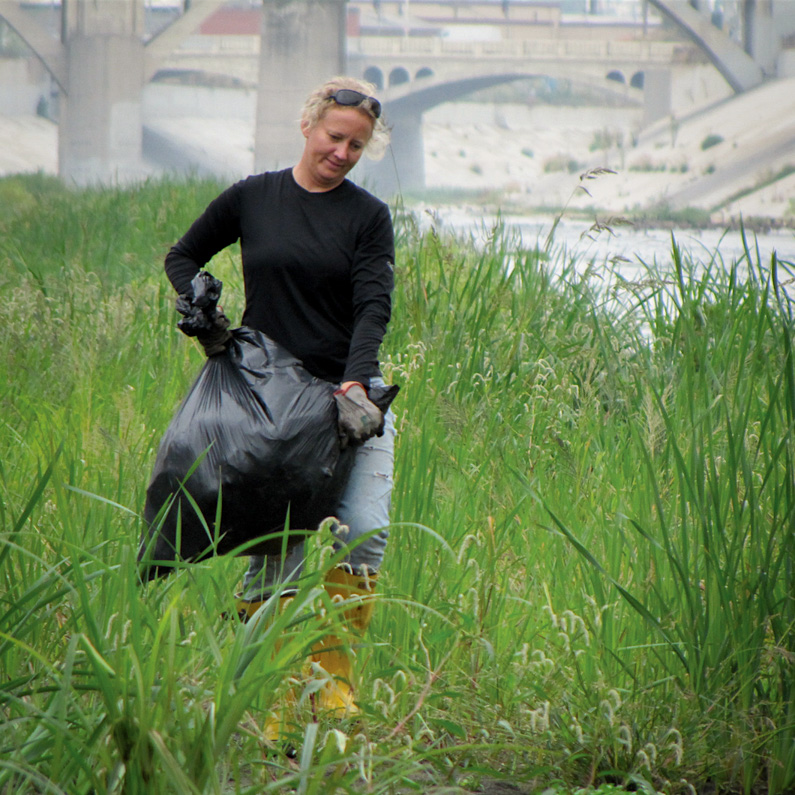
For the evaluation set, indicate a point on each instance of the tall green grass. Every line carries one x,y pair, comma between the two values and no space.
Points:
590,574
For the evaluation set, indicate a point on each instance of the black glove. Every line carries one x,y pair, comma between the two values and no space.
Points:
202,317
214,340
358,419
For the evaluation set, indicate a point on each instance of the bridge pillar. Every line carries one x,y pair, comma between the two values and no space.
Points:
99,138
760,38
303,44
403,166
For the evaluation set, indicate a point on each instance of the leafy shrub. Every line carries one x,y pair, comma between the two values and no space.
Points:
604,139
647,166
711,140
562,164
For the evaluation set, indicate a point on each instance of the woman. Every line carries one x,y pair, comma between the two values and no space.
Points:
317,254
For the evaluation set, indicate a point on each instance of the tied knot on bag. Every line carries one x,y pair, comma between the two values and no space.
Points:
202,318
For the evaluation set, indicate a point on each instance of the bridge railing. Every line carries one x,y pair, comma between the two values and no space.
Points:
219,45
239,55
404,46
658,52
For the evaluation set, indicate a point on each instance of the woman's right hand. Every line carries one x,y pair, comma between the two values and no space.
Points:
215,339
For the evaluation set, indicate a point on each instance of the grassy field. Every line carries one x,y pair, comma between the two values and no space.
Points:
590,582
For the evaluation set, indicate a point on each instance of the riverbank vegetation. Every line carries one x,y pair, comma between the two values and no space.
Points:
590,578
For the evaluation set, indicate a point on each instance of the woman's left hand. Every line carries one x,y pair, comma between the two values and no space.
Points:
358,418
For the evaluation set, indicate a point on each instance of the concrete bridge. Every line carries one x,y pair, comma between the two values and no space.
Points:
450,70
742,65
743,59
102,62
437,70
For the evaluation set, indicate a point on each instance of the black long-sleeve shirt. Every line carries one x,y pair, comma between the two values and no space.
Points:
317,267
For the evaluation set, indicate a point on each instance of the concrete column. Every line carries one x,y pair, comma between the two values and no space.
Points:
760,37
303,44
100,128
656,95
402,170
107,17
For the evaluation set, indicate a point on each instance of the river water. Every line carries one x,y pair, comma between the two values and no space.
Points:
642,257
627,247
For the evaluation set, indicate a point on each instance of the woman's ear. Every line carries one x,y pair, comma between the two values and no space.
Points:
305,128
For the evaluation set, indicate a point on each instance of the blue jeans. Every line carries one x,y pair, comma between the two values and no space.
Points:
364,507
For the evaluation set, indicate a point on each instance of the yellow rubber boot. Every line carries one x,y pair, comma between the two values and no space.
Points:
245,609
333,654
273,728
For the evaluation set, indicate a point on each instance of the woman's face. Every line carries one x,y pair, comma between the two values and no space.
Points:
333,146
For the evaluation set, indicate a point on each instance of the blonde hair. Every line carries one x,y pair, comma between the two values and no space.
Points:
317,106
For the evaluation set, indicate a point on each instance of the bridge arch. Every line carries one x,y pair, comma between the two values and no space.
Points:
405,104
738,68
399,76
50,52
431,90
375,76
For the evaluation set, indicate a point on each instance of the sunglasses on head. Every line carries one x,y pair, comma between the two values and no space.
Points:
348,98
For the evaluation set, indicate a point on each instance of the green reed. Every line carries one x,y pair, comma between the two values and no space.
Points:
590,572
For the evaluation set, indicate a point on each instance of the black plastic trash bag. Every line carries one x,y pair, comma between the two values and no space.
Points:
259,431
